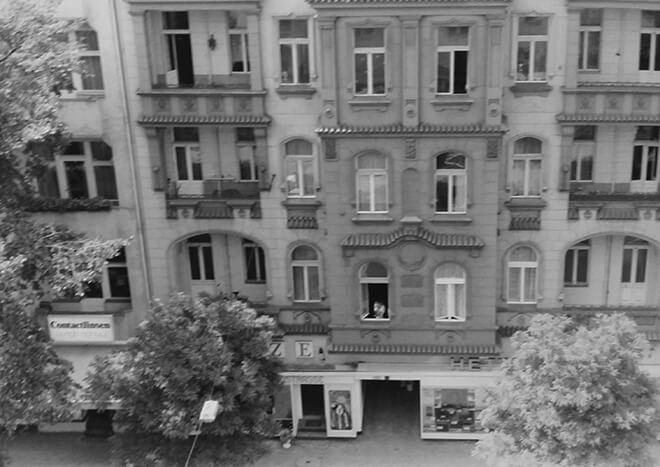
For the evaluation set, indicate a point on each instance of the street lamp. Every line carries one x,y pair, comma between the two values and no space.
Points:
208,414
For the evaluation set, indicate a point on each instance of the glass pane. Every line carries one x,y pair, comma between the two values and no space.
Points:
236,47
47,183
641,266
298,147
237,20
361,83
514,285
76,179
193,255
568,266
459,299
523,253
304,253
308,177
120,257
518,178
522,68
460,72
363,192
459,193
74,148
196,162
638,152
584,133
591,17
645,52
292,181
262,263
101,151
93,289
250,263
298,283
450,160
92,77
286,60
574,169
303,63
540,55
626,265
534,178
207,254
118,279
586,167
647,133
441,301
444,65
380,192
656,59
313,276
186,134
582,265
293,28
374,270
593,50
530,284
369,37
442,193
175,20
87,39
453,35
583,36
181,163
650,19
106,184
378,69
652,163
532,26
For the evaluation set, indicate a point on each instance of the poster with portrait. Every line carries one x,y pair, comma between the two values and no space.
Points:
341,417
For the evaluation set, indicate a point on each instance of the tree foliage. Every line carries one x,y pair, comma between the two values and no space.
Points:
572,395
185,352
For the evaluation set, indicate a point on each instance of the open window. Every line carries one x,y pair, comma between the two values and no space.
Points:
374,292
176,34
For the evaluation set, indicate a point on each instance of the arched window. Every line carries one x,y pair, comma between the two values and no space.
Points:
374,291
522,275
200,255
305,270
90,56
526,178
450,183
576,264
450,293
300,172
371,183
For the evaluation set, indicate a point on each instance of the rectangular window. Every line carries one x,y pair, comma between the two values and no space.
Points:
532,48
590,28
372,192
526,177
114,280
369,61
179,50
245,149
649,43
187,154
644,173
238,42
91,77
584,151
255,262
300,176
452,60
201,262
83,170
576,266
294,51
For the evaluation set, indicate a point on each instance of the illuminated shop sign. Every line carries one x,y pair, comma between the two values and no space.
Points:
81,328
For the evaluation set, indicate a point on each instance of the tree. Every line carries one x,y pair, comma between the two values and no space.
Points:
572,395
188,351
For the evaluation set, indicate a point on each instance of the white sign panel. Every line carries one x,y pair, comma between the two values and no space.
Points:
81,328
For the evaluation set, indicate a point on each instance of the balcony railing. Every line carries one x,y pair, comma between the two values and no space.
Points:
220,199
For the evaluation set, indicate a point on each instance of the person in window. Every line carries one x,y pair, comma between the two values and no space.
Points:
380,311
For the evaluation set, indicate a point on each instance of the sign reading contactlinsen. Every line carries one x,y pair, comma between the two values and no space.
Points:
81,328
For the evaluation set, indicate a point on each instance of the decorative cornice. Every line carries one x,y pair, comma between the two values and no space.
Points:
607,118
196,120
419,130
415,349
434,239
341,3
612,196
304,329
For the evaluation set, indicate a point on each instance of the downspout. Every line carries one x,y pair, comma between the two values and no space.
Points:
131,155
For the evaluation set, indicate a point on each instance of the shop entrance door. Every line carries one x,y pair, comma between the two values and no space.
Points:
313,412
391,409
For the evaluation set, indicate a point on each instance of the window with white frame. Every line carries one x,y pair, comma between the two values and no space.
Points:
369,61
452,59
305,267
83,170
644,176
526,176
576,264
590,29
114,279
238,42
374,292
522,267
294,51
255,262
200,257
634,259
176,34
245,149
450,183
532,48
91,78
187,154
584,152
649,42
450,285
371,181
300,170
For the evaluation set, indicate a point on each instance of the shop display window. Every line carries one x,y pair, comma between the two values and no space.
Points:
450,410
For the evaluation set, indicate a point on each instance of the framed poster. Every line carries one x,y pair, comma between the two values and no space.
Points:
340,412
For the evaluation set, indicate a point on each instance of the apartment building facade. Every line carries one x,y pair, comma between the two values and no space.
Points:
400,184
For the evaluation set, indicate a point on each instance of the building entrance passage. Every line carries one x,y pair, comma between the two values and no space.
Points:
313,412
391,409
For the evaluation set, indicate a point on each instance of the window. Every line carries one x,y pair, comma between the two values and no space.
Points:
584,150
369,59
450,183
294,51
635,255
645,158
200,255
526,175
374,292
299,169
576,264
83,170
532,48
590,26
255,262
238,42
521,275
305,268
114,280
179,52
187,153
452,56
450,293
90,56
371,183
245,146
649,42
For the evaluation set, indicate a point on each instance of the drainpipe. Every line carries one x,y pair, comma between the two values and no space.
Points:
131,155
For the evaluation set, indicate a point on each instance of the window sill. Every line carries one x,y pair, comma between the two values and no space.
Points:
576,285
452,102
83,95
369,103
368,218
301,202
254,282
593,71
525,203
450,218
541,89
295,90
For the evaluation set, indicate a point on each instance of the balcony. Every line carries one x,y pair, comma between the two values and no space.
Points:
598,201
221,198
